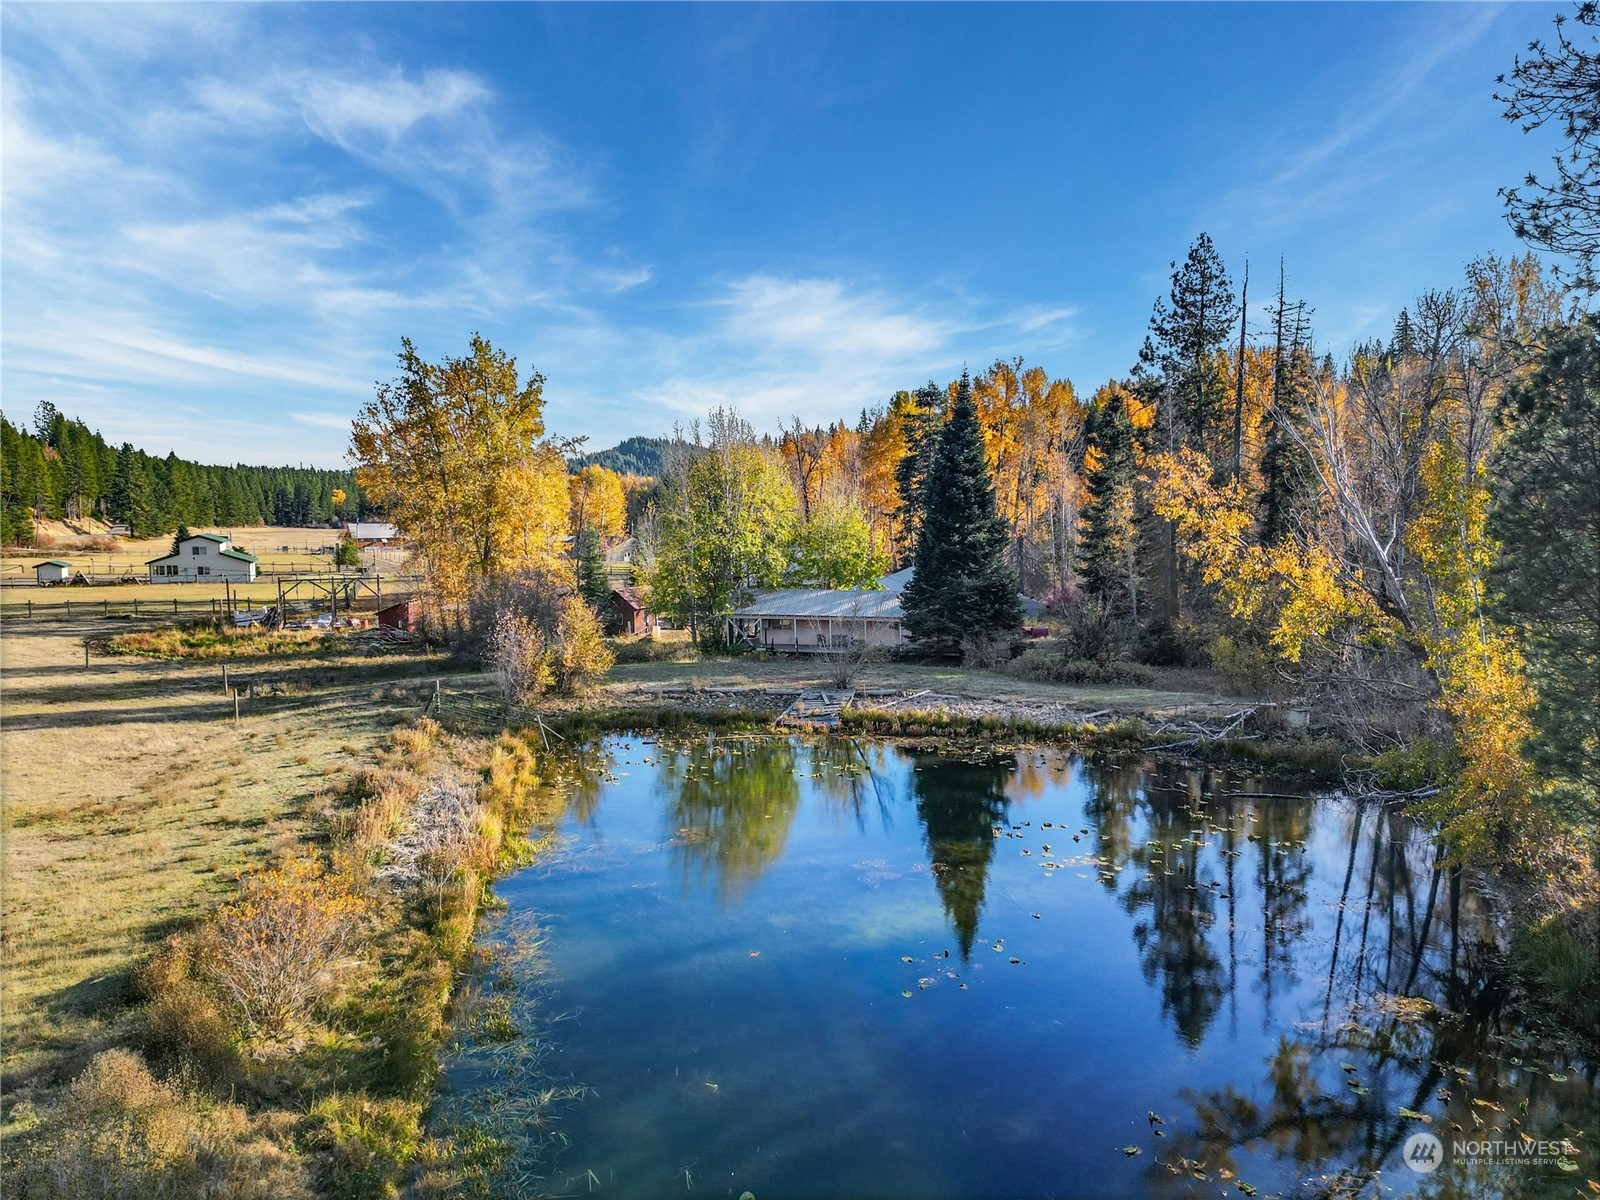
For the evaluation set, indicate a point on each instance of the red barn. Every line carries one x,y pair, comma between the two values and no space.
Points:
627,611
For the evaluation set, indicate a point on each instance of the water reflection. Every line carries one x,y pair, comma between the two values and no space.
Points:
959,802
731,803
1287,985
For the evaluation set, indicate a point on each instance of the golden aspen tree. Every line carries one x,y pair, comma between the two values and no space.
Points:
456,453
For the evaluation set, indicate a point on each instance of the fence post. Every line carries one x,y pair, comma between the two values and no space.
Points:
224,679
174,606
85,654
105,608
69,609
30,609
136,606
235,706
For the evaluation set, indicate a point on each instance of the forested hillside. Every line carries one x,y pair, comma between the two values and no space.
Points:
632,456
61,469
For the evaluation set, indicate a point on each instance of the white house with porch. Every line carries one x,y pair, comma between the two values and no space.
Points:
203,558
817,620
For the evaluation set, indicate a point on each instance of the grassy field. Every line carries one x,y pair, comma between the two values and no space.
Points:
129,800
279,549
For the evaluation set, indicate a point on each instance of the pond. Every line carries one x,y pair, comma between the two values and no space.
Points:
831,968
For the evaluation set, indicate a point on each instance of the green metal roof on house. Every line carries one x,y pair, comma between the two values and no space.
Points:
210,537
52,562
240,554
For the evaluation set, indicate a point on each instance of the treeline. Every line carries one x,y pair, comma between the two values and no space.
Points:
631,456
60,469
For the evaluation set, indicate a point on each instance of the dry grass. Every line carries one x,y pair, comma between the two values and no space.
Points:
129,801
88,545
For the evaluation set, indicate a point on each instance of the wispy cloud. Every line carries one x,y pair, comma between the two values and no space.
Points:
774,346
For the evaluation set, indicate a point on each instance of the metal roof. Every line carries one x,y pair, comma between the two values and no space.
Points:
372,530
52,562
852,605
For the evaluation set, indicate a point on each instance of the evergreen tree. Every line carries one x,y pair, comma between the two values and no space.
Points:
130,493
1108,540
591,570
961,585
1187,331
1288,478
1546,515
922,414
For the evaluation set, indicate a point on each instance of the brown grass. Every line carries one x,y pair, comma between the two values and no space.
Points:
128,803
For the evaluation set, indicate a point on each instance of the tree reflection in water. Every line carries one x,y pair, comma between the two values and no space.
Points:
959,802
731,802
1407,1007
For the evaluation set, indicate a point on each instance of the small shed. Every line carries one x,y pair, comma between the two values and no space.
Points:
402,615
627,612
52,570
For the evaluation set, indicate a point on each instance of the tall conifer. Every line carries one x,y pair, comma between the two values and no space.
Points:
961,585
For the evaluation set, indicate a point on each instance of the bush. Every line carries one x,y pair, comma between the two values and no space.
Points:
1245,667
1045,667
983,650
367,1145
1092,631
1561,969
581,653
644,650
1166,645
185,1029
347,553
270,949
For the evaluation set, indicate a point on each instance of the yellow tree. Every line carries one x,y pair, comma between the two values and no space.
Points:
455,452
598,502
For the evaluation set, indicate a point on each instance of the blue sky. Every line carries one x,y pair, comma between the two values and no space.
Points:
218,221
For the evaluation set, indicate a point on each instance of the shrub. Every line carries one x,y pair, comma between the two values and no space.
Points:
1045,667
517,657
269,949
119,1133
982,650
1244,666
185,1029
347,553
1094,632
642,650
581,653
122,1134
367,1144
1166,645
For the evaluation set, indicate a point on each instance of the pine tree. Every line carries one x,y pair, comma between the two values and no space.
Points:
921,414
1108,541
1186,332
130,493
1546,515
961,585
1287,474
591,570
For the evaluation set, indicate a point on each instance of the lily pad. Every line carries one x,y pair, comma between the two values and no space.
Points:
1413,1115
1130,1151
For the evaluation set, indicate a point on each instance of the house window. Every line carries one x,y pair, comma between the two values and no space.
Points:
202,570
197,550
782,623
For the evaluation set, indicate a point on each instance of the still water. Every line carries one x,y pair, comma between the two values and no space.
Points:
844,968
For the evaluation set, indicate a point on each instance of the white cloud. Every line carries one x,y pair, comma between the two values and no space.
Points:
323,420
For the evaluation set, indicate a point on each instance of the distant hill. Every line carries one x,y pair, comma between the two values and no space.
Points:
635,456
